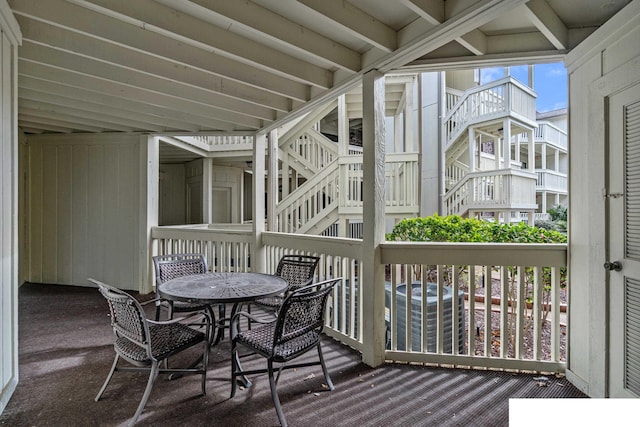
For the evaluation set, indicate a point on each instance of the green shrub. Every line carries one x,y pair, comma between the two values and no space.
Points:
454,228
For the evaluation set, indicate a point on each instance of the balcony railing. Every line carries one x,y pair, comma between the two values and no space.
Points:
496,100
338,186
552,181
505,189
485,305
547,133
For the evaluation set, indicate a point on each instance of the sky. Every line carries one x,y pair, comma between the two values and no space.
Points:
550,83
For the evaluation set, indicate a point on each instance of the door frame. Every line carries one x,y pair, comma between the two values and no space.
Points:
600,91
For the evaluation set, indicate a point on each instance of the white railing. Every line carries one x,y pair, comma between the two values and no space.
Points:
338,186
549,180
520,325
311,199
495,100
537,216
492,190
220,142
455,172
227,248
339,257
525,311
312,150
548,133
401,180
452,96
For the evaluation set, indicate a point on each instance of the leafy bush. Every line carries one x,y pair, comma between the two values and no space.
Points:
454,228
457,229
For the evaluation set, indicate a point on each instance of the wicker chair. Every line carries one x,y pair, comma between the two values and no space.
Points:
295,331
146,343
169,267
298,271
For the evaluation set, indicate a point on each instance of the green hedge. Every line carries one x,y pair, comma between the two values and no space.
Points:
454,228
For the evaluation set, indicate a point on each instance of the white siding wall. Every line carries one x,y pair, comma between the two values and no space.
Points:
83,209
9,39
606,50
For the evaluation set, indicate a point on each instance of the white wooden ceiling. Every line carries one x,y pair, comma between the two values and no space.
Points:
180,66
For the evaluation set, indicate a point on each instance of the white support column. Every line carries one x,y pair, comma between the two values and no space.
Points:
497,149
531,166
284,176
207,190
531,151
409,122
149,190
506,144
258,254
272,180
397,135
472,150
343,150
516,150
372,277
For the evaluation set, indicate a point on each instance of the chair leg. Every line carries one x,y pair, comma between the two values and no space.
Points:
205,362
153,374
234,367
106,382
324,368
274,396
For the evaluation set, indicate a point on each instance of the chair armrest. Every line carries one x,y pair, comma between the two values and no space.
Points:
180,319
156,300
235,321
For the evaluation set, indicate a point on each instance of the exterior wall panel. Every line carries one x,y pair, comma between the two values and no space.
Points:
83,207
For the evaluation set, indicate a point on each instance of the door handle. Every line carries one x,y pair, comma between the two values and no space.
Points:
613,266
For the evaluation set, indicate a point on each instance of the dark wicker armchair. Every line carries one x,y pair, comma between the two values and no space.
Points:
298,271
169,267
145,343
295,331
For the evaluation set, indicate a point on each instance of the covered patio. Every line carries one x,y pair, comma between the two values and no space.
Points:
93,89
65,355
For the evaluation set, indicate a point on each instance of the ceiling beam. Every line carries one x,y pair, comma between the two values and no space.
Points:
547,22
30,118
33,127
168,117
433,12
226,95
79,19
114,73
102,114
256,19
70,78
74,117
357,22
185,28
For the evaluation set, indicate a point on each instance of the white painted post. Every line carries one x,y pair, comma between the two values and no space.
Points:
258,254
506,144
272,180
207,190
409,121
372,273
149,190
343,150
531,150
472,150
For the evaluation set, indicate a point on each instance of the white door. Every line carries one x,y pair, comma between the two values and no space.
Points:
623,196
